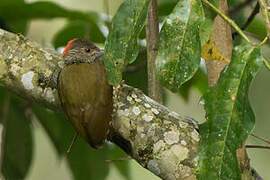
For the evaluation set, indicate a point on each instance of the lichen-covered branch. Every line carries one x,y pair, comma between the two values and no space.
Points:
159,139
26,68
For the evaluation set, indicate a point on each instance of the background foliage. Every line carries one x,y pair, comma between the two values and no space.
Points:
84,162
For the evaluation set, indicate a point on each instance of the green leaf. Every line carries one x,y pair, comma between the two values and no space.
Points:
257,27
165,7
229,116
78,29
207,26
122,166
121,46
16,26
12,10
179,45
88,163
18,141
56,126
198,81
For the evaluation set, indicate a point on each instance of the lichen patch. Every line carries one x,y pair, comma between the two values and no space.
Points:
183,124
180,151
129,98
27,79
158,146
171,137
195,135
48,94
138,100
183,142
47,55
147,117
136,110
147,105
155,111
124,112
133,95
14,69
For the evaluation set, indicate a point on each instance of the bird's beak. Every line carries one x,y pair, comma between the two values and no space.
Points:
99,54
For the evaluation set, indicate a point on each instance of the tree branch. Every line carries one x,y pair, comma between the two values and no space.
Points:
27,69
152,31
159,139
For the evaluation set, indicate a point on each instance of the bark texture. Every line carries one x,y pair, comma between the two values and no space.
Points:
152,31
222,37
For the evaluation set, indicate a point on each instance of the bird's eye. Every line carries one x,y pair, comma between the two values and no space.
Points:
87,50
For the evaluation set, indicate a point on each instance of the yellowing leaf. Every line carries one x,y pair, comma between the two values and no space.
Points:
211,52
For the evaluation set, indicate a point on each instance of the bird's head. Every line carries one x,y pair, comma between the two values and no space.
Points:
81,50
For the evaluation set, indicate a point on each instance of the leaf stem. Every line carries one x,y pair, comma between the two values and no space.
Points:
230,21
258,146
119,159
265,15
266,63
263,41
261,138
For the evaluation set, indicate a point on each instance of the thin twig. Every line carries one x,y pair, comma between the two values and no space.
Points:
230,21
72,142
152,31
258,146
265,15
255,11
4,123
261,138
267,64
263,41
239,7
116,160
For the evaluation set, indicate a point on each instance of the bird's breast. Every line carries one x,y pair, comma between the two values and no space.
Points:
86,97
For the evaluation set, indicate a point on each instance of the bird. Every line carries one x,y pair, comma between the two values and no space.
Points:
84,91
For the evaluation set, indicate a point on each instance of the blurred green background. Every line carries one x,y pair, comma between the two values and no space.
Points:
47,165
